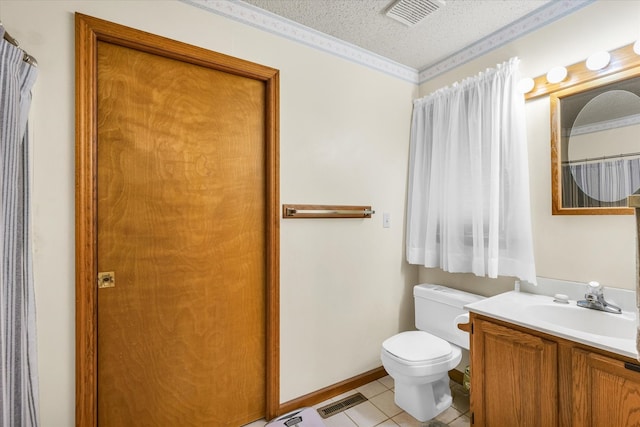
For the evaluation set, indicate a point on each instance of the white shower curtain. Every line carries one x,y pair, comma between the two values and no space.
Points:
18,358
608,181
468,202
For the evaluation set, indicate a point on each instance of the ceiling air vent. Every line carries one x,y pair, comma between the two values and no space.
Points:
410,12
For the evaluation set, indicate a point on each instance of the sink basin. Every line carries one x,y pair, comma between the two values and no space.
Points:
607,331
584,320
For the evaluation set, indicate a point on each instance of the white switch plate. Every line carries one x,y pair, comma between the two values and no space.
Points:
386,220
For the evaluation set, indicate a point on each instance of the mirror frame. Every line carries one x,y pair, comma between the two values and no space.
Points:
556,146
624,64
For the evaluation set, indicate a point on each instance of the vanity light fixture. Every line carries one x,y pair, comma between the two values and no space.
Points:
599,60
612,62
525,85
556,74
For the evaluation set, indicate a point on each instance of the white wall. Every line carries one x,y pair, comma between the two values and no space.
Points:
344,140
570,247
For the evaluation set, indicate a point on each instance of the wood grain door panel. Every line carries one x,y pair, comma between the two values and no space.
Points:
604,391
516,374
181,222
177,193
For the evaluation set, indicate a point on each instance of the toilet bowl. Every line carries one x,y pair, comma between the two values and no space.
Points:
419,361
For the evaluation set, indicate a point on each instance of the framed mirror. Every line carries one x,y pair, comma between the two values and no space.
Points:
595,145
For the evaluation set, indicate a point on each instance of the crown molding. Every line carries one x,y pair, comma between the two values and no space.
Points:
267,21
544,15
272,23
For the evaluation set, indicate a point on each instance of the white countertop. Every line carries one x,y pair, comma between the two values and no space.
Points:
528,310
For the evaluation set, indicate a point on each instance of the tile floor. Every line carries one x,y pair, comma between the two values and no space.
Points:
380,410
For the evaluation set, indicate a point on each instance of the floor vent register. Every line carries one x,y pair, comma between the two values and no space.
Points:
341,405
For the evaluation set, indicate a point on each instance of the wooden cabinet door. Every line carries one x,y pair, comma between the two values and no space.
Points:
513,377
605,392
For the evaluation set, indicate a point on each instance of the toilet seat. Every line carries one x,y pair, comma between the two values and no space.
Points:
419,361
418,348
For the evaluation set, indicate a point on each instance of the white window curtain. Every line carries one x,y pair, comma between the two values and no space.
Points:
18,358
468,201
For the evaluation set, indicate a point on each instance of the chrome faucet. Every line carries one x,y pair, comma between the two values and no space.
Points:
594,299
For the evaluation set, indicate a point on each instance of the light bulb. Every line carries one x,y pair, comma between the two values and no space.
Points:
556,74
598,61
525,85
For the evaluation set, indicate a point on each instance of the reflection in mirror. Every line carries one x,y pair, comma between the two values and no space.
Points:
596,145
602,166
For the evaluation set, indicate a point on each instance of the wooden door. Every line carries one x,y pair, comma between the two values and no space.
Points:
184,165
606,392
514,377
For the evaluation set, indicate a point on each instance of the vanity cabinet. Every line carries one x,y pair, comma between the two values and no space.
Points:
521,377
514,378
605,391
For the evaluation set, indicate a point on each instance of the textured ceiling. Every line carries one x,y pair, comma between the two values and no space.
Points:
455,26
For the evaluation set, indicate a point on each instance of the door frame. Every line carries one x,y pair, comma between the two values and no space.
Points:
88,31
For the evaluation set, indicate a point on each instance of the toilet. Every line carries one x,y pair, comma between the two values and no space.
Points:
419,361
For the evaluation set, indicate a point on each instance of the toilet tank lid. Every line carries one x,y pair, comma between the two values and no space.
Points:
445,295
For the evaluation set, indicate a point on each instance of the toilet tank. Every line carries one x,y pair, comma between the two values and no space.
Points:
437,307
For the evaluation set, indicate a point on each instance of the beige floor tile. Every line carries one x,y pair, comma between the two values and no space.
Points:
339,420
463,421
340,396
381,411
374,388
387,382
406,420
366,415
448,415
385,402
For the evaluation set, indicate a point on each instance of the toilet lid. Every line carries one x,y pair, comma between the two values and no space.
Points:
418,346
